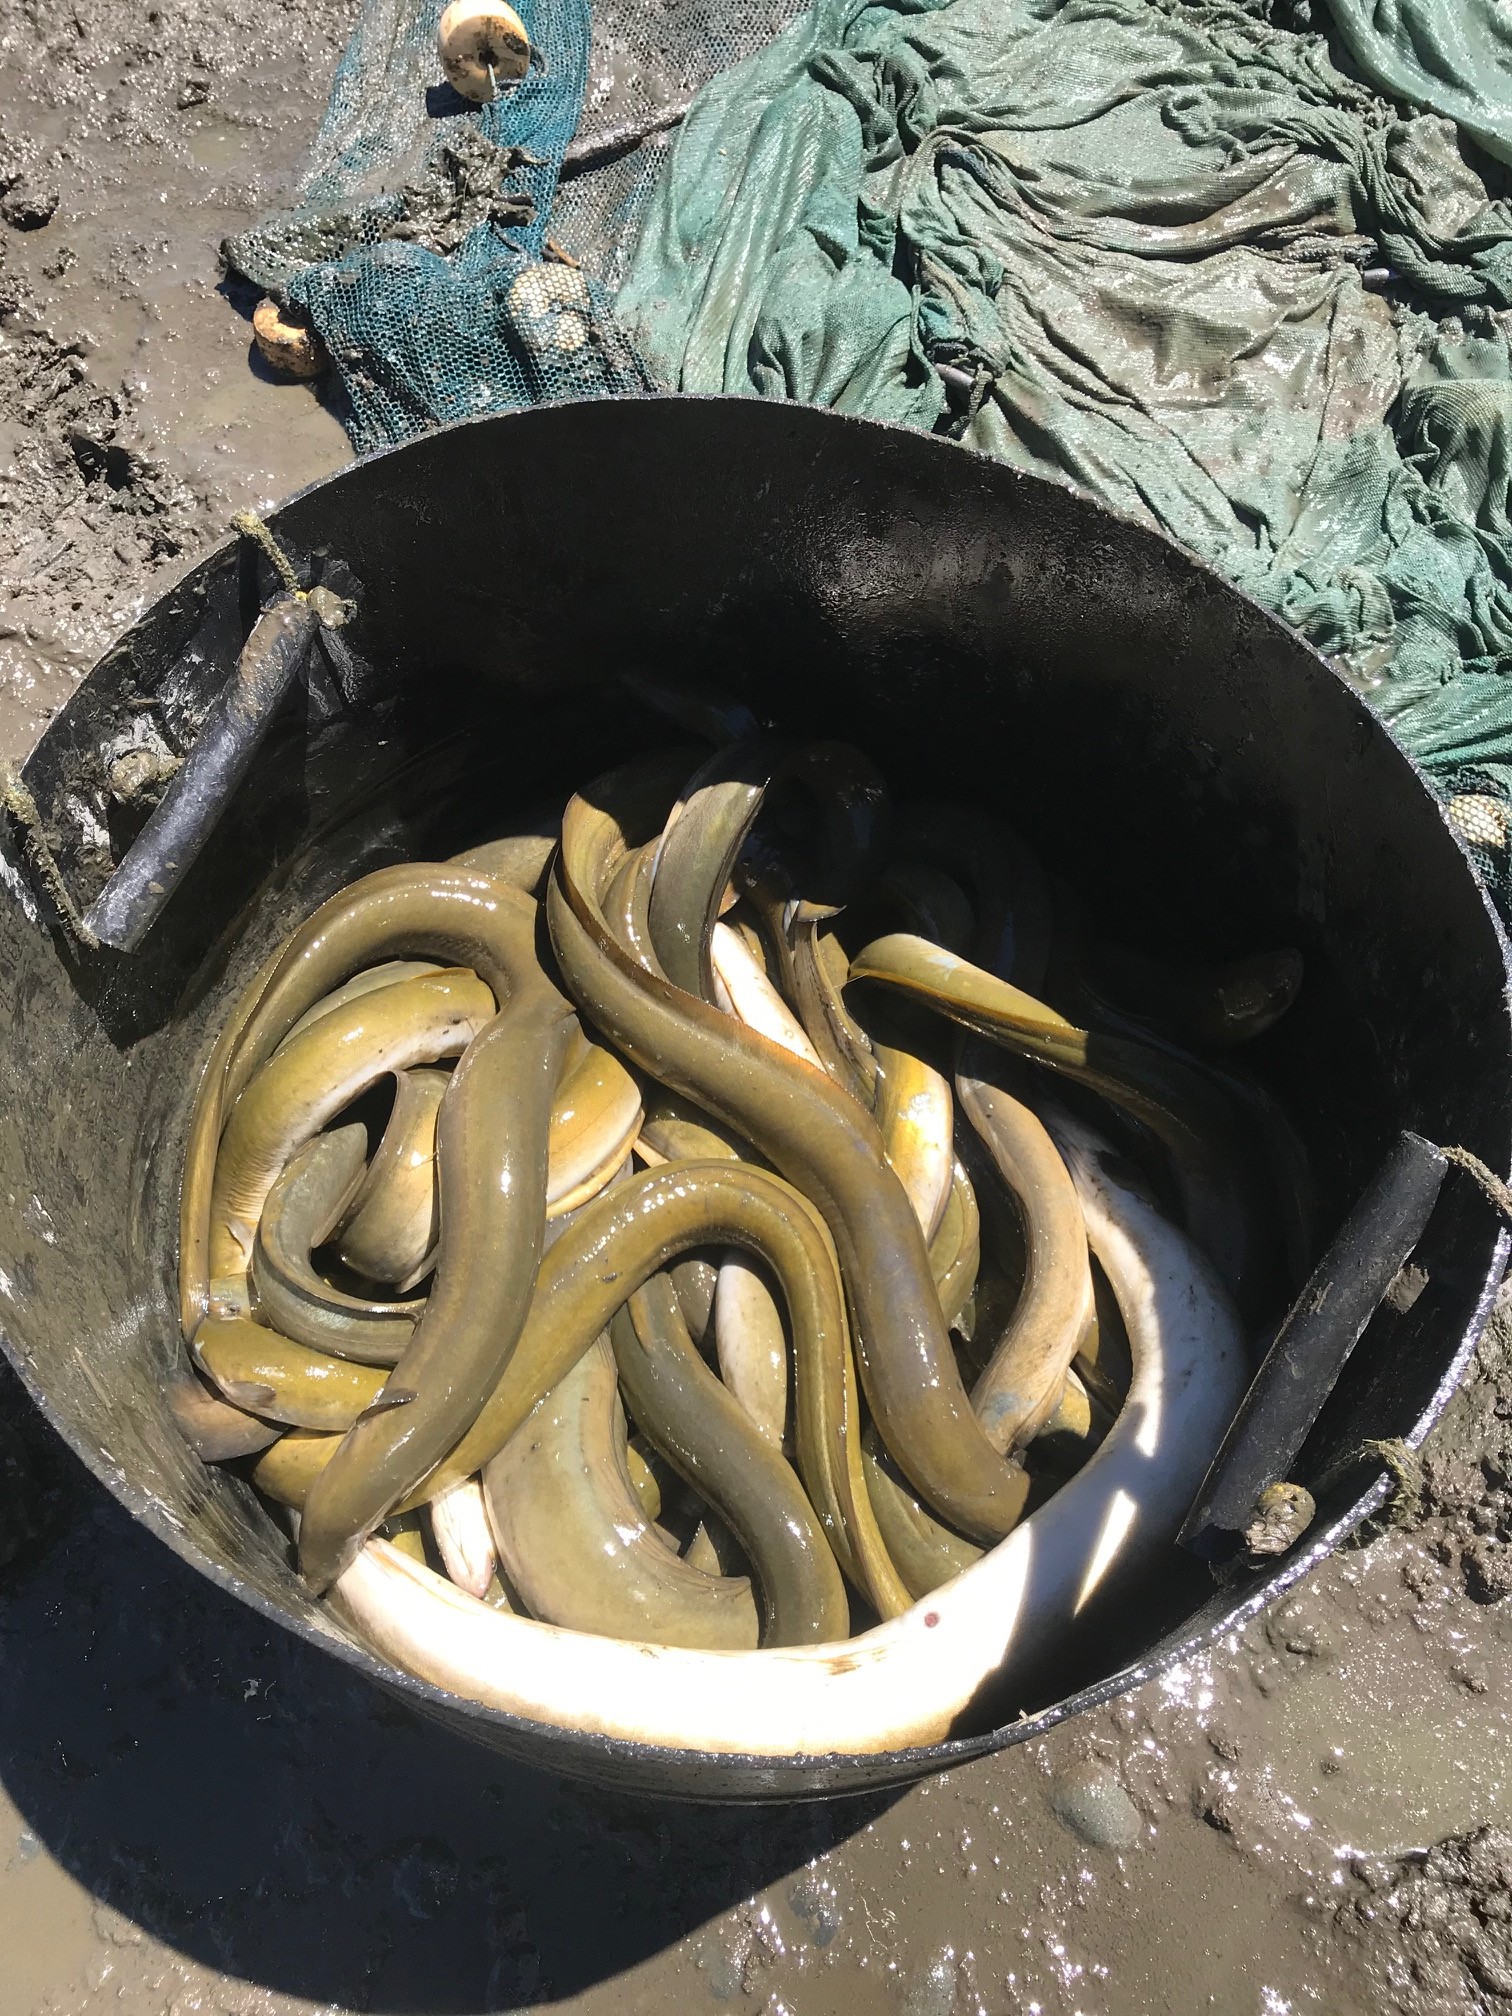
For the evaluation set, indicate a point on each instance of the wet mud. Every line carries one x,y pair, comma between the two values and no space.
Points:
133,138
198,1814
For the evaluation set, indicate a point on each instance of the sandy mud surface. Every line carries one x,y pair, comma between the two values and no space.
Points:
198,1814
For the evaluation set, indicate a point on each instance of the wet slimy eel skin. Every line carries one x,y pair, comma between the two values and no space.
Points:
575,1540
916,1117
842,1044
1052,1320
616,1244
390,1233
914,1113
928,1554
627,906
416,909
696,858
491,1146
214,1429
955,1252
208,1114
698,1425
676,1131
968,1653
287,1293
200,1150
742,989
459,1526
816,1133
749,1336
287,1470
595,1118
491,1152
390,1229
273,1376
313,1077
697,1283
1186,1112
520,859
388,974
751,1343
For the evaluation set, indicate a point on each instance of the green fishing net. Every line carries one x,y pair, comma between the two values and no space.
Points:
1242,281
1170,252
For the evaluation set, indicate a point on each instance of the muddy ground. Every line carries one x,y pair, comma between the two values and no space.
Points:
198,1815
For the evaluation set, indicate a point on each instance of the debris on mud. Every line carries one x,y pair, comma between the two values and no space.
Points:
1436,1931
132,140
461,189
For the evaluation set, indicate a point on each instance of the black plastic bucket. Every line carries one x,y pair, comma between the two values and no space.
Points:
1164,742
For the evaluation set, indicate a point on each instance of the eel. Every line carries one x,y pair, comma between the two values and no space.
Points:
742,989
216,1431
459,1526
520,859
271,1375
750,1341
965,1657
389,1230
1190,1117
288,1294
616,1244
576,1541
627,906
198,1178
388,974
695,858
955,1252
818,1136
699,1427
915,1115
316,1075
491,1152
1019,1385
928,1555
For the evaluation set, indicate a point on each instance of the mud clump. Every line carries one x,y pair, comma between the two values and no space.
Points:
81,507
132,424
1436,1932
1467,1473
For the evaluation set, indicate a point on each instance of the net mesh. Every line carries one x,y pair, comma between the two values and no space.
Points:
1171,250
449,259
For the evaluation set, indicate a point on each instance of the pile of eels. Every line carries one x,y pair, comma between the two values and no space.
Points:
680,1279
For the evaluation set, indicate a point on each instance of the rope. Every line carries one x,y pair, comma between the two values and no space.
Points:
22,807
1405,1467
252,527
1497,1192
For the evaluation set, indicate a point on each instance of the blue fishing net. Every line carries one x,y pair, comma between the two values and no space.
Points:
419,246
433,243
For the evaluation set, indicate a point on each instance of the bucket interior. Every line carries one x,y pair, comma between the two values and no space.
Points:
1199,775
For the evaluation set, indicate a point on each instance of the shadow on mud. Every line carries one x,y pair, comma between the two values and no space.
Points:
251,1804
